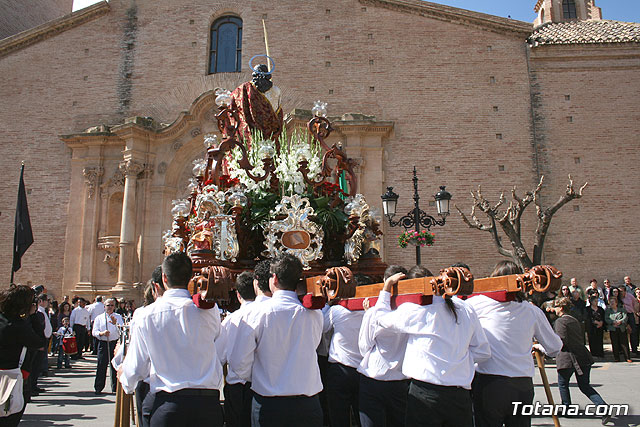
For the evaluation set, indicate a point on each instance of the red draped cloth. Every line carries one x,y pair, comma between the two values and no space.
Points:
256,112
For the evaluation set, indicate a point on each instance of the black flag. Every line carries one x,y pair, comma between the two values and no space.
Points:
23,236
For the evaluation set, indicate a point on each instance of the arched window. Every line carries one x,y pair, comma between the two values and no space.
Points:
569,9
226,45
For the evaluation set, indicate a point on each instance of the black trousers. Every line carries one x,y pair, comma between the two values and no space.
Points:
382,403
620,344
39,359
323,364
105,354
343,384
286,411
493,397
595,341
81,339
437,405
142,391
186,408
237,404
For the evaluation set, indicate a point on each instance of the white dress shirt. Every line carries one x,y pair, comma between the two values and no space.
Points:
382,353
95,310
173,344
103,323
48,330
80,316
510,328
440,350
345,325
228,336
275,348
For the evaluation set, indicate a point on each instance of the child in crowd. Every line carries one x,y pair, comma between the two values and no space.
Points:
64,332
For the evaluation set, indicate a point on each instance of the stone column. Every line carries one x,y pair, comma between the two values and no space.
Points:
131,169
92,175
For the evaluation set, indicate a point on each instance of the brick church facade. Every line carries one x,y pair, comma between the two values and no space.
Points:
108,106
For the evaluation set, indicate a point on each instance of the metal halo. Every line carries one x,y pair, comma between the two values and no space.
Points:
273,64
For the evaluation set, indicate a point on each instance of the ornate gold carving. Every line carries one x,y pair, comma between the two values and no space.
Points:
297,212
364,229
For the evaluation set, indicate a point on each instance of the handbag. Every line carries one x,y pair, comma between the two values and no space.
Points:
11,384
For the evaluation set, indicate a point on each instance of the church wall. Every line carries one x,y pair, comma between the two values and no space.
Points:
44,94
593,136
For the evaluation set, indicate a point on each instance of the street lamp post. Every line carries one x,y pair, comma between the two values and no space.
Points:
416,217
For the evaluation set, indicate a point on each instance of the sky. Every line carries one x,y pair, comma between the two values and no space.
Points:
522,10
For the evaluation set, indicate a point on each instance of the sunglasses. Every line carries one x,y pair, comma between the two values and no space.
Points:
110,305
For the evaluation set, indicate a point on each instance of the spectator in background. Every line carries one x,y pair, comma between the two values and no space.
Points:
574,287
595,326
593,287
630,304
630,286
95,310
63,332
594,293
65,311
80,322
42,325
16,333
606,291
615,317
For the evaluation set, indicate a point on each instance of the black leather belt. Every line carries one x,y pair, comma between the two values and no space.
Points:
193,392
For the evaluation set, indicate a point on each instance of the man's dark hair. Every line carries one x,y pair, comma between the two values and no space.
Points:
74,300
362,279
99,298
16,301
393,269
418,271
461,264
178,269
43,297
156,276
262,272
244,286
288,270
148,293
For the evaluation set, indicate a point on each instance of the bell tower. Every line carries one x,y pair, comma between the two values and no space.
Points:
566,10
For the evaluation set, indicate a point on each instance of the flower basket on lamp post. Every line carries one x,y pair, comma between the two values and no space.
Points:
415,238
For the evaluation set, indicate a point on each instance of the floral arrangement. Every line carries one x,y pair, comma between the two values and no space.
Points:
422,238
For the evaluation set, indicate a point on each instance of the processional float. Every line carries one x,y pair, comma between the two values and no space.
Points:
260,191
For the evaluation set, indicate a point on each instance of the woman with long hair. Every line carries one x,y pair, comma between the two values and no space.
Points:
507,377
16,305
444,340
64,311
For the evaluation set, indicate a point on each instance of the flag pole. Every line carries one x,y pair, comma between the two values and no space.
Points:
266,44
14,233
22,234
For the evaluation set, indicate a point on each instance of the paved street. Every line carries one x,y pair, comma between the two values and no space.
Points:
70,401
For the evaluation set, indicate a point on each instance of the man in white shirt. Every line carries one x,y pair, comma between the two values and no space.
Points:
95,309
343,379
444,341
383,386
275,349
173,344
40,360
80,322
237,391
507,377
105,329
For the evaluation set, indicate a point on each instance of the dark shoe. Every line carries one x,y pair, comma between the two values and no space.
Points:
35,393
606,419
68,366
40,390
59,367
98,393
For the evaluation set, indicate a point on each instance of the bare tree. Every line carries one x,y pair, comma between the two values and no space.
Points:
509,220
